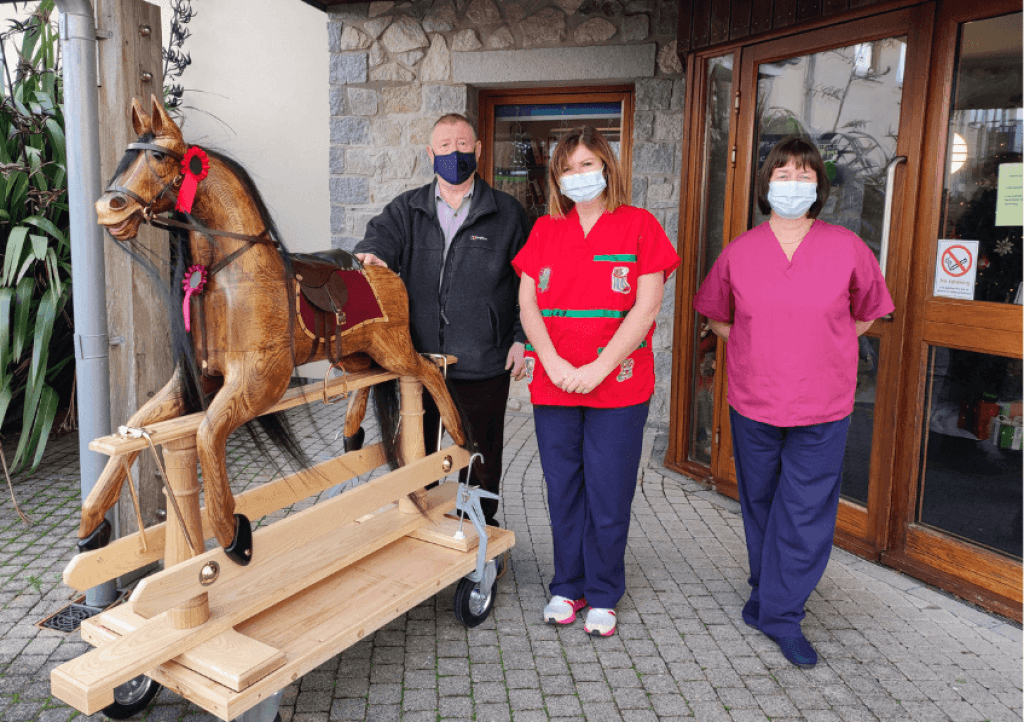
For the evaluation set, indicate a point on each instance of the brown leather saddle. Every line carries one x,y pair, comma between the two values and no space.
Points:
333,295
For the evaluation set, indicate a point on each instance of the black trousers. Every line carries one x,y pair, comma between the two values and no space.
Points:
483,403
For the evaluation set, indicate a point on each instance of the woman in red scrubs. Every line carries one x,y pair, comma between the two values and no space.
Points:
791,296
593,273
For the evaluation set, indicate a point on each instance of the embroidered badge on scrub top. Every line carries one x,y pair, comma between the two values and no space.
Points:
626,372
545,279
619,282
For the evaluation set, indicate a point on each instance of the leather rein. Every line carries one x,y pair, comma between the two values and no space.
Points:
151,218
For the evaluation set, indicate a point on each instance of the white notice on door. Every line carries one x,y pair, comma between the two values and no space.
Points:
956,267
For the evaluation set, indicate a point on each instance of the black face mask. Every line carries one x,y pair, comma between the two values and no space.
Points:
456,167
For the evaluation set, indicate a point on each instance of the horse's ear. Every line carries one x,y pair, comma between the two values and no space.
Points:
163,124
142,123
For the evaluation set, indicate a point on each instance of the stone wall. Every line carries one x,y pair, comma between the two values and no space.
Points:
397,66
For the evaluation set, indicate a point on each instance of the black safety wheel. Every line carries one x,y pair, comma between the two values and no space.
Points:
472,603
132,697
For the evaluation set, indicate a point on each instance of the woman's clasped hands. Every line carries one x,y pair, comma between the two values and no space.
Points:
570,379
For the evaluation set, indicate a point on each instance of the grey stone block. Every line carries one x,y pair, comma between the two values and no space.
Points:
337,162
350,131
337,218
349,189
337,100
362,101
348,68
441,99
654,158
653,94
570,64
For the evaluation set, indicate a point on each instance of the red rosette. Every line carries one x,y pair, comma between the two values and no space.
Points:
193,283
196,166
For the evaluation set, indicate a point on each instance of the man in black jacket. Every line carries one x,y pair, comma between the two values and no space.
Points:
452,242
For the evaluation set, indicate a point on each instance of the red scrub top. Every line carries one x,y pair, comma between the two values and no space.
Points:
585,287
792,350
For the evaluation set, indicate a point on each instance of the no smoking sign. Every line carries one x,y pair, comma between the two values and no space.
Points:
956,269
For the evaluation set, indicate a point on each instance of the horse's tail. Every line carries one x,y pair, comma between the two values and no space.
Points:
387,406
278,429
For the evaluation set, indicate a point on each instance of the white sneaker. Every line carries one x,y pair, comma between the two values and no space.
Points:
561,610
600,622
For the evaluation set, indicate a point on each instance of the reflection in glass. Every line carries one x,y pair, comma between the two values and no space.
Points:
525,135
971,461
984,152
847,101
857,462
716,162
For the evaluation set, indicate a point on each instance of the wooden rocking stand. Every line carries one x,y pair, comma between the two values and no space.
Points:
227,637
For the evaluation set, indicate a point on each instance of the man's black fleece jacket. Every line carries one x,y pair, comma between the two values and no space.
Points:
473,314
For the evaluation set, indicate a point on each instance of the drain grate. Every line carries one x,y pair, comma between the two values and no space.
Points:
69,619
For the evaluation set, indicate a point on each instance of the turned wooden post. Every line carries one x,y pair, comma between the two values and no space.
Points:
410,439
180,461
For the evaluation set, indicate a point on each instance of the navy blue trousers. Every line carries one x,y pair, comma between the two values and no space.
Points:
590,459
789,479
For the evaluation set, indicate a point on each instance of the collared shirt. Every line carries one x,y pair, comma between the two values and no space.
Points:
586,286
451,219
792,350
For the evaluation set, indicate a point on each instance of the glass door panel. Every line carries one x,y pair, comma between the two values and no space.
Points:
971,481
525,133
982,194
847,100
714,190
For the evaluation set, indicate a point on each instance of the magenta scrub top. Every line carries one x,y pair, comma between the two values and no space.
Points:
792,349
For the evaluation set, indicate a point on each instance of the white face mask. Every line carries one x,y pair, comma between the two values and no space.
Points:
791,199
583,187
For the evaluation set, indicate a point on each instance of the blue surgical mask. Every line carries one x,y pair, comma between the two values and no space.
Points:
792,199
583,187
456,167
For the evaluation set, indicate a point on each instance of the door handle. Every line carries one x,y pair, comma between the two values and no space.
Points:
890,174
883,251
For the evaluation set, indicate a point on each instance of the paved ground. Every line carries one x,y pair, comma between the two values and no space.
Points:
891,648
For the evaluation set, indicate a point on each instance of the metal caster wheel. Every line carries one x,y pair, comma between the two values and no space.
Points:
472,603
132,697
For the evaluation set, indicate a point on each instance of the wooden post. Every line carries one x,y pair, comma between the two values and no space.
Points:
180,461
410,439
131,66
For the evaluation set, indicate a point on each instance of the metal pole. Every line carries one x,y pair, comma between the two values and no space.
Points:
81,119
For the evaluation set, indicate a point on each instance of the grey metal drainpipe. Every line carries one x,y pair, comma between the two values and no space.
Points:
81,119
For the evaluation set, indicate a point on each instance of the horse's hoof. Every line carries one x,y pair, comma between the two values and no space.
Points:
240,549
98,539
354,442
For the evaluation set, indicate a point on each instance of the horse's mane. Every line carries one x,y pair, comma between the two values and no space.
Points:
275,426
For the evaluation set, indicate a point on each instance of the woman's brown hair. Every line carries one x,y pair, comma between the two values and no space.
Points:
614,195
806,155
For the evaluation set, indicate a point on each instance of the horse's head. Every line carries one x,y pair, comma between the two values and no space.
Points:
149,175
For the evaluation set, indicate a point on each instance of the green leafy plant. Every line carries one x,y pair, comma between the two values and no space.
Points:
36,344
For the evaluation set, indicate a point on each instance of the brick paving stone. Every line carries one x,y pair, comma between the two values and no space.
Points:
493,713
456,707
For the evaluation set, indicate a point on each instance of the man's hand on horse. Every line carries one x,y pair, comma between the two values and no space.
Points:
368,259
516,361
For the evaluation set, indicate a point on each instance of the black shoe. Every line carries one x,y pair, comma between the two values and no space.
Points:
797,650
751,613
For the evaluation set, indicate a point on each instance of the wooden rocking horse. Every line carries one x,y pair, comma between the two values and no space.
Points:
250,312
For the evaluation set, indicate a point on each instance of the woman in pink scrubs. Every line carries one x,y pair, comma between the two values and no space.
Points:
791,296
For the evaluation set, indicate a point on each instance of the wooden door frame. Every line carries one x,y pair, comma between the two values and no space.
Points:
985,577
690,253
490,97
